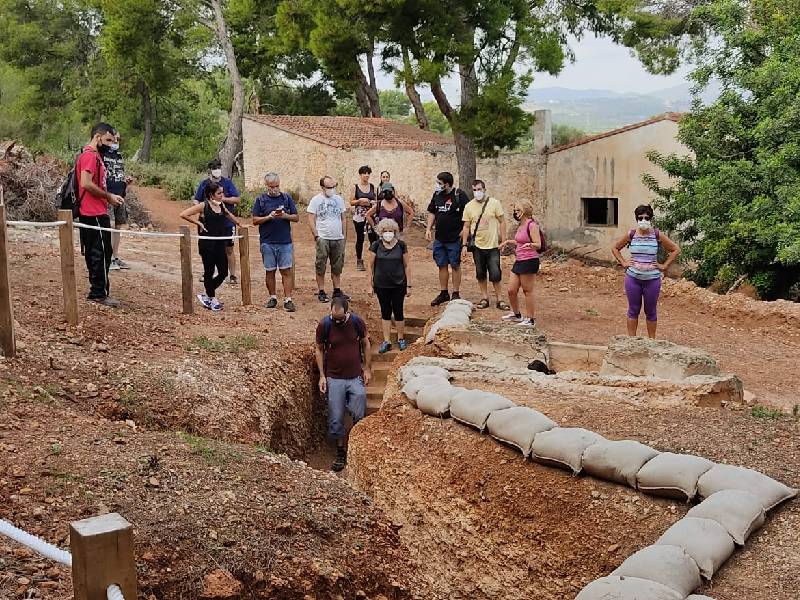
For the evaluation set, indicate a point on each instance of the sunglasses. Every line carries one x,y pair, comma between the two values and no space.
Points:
330,187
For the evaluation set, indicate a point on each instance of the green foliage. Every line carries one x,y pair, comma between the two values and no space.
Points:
395,104
180,182
734,204
285,99
770,414
346,107
436,119
565,134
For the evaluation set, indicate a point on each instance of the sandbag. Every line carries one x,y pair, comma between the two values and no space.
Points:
410,371
672,475
461,302
667,565
739,512
705,540
699,597
518,426
617,461
412,388
473,407
626,588
727,477
457,309
563,447
435,400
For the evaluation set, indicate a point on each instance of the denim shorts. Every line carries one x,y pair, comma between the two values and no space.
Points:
276,256
345,394
447,253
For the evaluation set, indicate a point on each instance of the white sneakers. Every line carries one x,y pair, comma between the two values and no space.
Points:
209,303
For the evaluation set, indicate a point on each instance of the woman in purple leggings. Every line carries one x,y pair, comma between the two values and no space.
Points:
643,272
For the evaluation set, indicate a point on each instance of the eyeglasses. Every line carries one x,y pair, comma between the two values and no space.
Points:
643,218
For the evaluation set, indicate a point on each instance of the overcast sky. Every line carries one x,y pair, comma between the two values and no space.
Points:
599,64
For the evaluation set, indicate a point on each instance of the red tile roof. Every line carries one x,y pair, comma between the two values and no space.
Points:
670,116
355,132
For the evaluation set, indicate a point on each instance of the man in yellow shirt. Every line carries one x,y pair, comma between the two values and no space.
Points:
484,220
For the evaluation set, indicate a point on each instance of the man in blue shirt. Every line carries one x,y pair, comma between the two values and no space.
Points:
273,212
231,200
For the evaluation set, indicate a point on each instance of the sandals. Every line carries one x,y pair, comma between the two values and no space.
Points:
502,305
484,303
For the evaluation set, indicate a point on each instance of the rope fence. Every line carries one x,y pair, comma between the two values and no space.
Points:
104,563
66,227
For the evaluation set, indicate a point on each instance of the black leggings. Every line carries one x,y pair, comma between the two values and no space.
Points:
214,257
391,301
360,231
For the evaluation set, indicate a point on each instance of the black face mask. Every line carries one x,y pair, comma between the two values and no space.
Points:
516,214
103,148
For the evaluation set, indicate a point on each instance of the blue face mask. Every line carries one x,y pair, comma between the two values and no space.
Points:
114,147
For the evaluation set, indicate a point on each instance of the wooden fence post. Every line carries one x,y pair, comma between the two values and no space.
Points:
68,285
244,261
8,340
102,555
186,271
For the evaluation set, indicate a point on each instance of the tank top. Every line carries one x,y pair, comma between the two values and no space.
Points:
644,254
216,225
396,214
523,236
360,212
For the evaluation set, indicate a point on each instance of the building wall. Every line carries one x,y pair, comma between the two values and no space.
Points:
609,167
301,162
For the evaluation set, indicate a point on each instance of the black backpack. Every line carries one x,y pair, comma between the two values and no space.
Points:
67,196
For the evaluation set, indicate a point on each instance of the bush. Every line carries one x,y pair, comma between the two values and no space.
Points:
180,182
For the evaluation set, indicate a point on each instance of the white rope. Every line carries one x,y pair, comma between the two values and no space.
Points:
213,237
113,592
35,223
155,234
34,543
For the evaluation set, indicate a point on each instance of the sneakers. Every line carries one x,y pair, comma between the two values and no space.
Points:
289,306
512,318
273,302
444,296
360,265
114,266
340,462
233,280
337,293
322,296
402,344
385,347
527,323
106,301
215,305
455,296
204,300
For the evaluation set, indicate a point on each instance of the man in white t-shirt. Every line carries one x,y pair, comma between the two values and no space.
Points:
326,218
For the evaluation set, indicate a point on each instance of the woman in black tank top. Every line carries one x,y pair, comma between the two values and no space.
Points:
362,200
211,223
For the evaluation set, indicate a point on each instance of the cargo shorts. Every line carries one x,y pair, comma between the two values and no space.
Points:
329,250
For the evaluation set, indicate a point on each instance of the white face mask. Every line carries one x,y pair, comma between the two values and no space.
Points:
438,187
479,194
387,236
216,173
330,193
644,225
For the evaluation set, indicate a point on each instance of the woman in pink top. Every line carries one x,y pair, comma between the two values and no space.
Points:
526,243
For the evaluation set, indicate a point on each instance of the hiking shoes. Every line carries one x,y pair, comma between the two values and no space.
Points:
444,296
273,302
233,280
385,347
455,296
289,306
337,293
360,265
106,301
322,296
340,462
402,344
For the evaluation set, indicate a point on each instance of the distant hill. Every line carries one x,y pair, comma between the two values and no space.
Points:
600,110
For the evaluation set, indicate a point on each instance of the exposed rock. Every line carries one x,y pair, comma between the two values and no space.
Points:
643,357
220,584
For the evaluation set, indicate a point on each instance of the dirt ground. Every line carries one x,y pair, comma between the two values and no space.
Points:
245,377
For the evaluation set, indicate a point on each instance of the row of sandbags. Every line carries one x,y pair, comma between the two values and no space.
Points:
736,498
456,314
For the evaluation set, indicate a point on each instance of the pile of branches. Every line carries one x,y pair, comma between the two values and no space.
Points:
30,185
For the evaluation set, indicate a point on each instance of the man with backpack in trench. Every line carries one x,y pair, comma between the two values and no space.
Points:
343,357
89,202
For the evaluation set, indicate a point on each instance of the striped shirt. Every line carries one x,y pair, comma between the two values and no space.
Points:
644,254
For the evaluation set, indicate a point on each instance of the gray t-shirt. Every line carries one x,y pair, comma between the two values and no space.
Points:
329,213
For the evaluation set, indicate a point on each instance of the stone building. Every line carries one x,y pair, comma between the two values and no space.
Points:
584,192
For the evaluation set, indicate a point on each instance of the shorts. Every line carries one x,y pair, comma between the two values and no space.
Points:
118,214
526,267
332,250
276,256
487,261
344,394
231,231
447,253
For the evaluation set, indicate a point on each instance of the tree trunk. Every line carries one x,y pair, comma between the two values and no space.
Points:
367,99
233,138
465,147
411,92
361,98
372,88
147,122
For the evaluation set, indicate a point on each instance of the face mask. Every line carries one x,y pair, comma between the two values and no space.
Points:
479,194
330,193
438,187
103,149
339,320
274,193
387,236
645,225
216,173
517,215
115,147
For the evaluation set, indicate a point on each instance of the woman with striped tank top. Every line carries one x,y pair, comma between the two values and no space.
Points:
643,272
